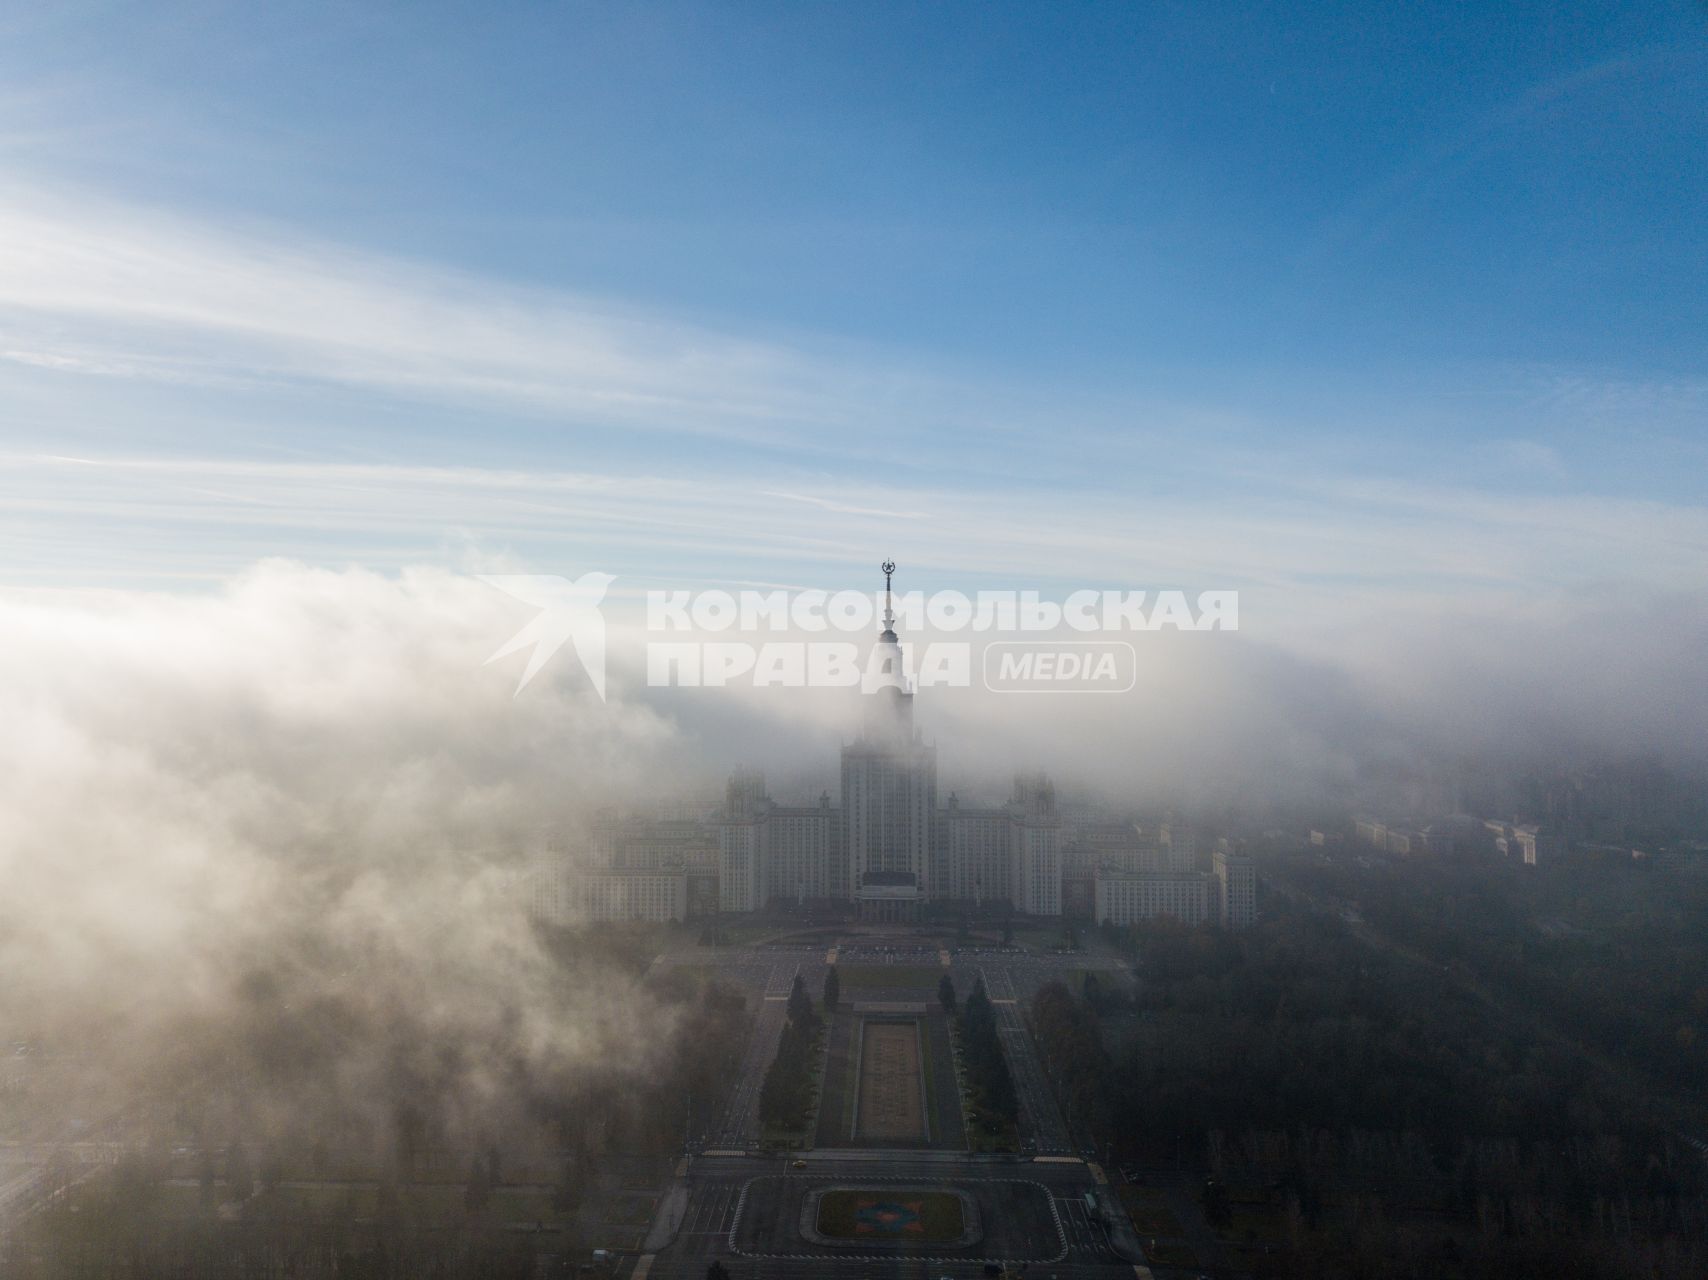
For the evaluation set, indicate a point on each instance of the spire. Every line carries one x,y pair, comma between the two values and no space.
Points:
889,706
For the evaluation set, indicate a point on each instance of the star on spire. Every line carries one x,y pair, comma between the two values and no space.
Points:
889,567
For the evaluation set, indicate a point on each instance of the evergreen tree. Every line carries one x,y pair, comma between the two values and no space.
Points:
832,989
981,1053
785,1092
800,1004
1093,993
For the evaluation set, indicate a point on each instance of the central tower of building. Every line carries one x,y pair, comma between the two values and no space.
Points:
889,788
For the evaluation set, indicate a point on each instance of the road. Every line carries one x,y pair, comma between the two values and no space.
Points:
740,1124
720,1190
766,977
712,1224
1040,1118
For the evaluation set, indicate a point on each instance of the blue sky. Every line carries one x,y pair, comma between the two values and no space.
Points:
1335,303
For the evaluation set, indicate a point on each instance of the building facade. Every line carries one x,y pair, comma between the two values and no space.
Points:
1133,897
769,852
888,850
568,895
889,791
1236,889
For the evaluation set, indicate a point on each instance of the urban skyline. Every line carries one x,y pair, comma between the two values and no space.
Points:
469,810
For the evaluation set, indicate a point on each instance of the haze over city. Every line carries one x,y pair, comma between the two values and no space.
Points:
320,325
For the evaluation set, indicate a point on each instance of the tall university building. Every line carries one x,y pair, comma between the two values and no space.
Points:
890,849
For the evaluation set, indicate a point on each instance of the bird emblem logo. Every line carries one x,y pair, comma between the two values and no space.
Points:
568,611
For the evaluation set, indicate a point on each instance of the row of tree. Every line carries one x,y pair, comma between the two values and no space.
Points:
785,1097
981,1056
1614,954
1362,1097
1071,1040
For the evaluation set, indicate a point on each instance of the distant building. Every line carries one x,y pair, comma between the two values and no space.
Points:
630,895
1079,892
1402,841
1088,848
626,868
653,843
888,848
1180,846
1035,847
1500,834
1435,839
1525,840
769,852
569,895
975,862
1236,889
741,844
1124,898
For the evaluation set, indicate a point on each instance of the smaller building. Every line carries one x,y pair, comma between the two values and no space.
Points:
567,895
1236,889
1123,898
1179,845
1436,838
1525,840
1371,832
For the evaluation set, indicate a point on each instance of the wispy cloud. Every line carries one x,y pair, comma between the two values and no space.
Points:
95,294
844,508
1312,555
118,291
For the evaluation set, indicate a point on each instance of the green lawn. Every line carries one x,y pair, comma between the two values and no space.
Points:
987,1131
903,1215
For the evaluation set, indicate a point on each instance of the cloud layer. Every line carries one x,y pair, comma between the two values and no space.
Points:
282,823
274,836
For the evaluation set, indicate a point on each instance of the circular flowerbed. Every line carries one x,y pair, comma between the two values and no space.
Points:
892,1216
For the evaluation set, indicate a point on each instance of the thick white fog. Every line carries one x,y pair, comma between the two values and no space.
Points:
283,820
286,817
